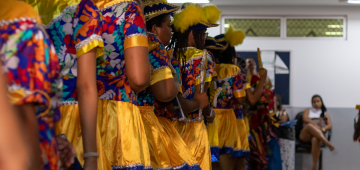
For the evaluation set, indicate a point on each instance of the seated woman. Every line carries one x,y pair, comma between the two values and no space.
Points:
280,114
316,123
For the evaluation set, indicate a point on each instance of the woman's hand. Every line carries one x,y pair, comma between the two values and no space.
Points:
210,119
263,74
66,151
202,99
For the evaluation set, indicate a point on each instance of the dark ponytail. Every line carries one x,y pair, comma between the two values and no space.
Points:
323,108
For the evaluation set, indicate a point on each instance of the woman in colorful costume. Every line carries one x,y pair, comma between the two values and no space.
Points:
34,84
188,42
75,29
163,87
227,92
122,72
260,123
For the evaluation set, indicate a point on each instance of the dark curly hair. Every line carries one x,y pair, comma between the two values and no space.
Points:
179,43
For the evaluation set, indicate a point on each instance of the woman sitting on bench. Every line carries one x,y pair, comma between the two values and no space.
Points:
316,123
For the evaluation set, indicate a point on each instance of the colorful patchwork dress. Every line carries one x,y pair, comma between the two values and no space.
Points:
242,120
75,29
229,86
166,119
122,130
260,127
32,71
163,153
193,131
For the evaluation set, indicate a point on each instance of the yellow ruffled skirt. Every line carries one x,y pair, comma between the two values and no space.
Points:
244,133
225,137
69,125
123,135
181,148
195,136
163,153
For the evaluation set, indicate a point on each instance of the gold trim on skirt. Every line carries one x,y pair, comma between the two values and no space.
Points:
195,136
69,125
123,134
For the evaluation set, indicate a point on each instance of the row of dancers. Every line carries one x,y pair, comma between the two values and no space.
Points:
121,84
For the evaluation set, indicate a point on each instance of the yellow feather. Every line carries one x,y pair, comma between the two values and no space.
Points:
234,37
212,13
189,16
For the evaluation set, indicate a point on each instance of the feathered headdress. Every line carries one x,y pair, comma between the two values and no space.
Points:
231,38
195,17
234,37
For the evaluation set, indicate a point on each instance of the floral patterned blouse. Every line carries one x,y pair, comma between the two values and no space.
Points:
228,86
246,85
124,27
32,70
160,110
74,32
192,71
160,69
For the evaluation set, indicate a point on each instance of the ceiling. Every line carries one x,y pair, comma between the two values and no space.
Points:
282,2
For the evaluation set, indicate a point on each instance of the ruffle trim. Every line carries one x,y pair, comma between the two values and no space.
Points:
54,20
135,35
138,166
11,21
69,102
231,151
216,96
88,40
162,67
189,120
117,3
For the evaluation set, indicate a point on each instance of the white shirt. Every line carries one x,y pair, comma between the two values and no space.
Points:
314,113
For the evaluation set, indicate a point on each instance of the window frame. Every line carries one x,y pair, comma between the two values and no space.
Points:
283,26
222,30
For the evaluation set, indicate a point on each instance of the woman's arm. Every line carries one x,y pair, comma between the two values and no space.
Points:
13,151
240,100
284,117
165,90
30,125
306,118
328,122
88,98
187,105
253,97
137,67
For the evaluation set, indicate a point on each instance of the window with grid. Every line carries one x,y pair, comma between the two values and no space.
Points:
255,27
314,27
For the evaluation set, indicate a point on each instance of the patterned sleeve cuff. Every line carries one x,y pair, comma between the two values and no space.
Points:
246,86
94,41
239,93
19,96
136,40
161,74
